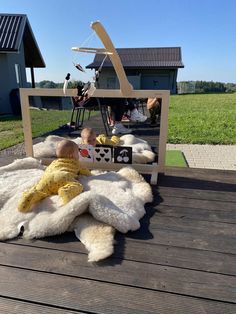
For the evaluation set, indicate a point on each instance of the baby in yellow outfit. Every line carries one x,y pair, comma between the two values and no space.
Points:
89,137
59,178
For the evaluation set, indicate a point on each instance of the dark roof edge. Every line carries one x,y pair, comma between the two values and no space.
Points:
34,39
20,37
21,30
90,66
179,47
14,14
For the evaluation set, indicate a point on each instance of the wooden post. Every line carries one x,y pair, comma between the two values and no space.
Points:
26,120
163,131
32,77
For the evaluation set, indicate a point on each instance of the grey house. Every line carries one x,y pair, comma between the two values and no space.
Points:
18,51
146,68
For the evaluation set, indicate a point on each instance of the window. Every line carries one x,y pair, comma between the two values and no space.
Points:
18,75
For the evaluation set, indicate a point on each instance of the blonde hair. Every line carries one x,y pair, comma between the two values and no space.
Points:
87,132
66,149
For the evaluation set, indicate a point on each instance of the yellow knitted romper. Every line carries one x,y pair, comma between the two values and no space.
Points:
59,178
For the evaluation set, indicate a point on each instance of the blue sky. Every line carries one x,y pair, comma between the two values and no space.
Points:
204,29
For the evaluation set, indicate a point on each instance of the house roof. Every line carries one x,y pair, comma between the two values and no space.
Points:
143,58
15,29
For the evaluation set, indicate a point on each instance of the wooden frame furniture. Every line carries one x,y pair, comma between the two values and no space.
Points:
126,91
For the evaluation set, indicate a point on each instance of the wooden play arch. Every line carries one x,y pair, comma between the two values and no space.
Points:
126,91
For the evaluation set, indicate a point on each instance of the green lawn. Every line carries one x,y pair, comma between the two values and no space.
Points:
197,119
11,130
202,119
175,158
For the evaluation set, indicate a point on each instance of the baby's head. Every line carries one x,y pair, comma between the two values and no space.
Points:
88,136
67,149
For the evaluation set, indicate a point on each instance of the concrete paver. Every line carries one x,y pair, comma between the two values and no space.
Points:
208,156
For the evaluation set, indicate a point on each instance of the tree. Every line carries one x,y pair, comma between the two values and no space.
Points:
202,87
51,84
46,84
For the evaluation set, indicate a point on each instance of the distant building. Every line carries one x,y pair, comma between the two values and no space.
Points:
186,87
18,51
146,68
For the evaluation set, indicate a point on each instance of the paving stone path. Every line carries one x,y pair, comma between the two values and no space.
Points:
208,156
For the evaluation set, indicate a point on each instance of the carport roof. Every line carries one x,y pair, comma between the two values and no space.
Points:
15,28
167,57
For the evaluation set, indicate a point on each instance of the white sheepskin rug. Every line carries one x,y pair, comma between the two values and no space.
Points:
110,201
142,151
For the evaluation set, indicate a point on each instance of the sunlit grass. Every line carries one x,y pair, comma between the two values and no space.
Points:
175,158
202,119
11,129
196,119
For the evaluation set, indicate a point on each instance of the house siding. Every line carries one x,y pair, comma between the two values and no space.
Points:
4,79
159,79
17,46
141,79
8,77
104,79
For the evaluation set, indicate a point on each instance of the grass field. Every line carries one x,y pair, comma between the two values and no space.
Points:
11,130
197,119
202,119
175,158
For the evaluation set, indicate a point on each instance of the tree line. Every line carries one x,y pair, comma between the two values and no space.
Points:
198,87
183,87
51,84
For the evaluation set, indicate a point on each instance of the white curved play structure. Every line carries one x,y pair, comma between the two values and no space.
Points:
126,91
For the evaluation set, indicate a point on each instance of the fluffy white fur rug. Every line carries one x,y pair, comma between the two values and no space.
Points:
142,152
111,200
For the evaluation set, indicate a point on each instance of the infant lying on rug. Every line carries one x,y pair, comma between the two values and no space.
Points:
141,151
110,201
60,178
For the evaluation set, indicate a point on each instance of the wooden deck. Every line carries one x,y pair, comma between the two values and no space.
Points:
182,260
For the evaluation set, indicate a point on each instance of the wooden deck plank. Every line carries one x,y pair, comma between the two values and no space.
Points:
197,213
192,240
187,258
165,204
191,225
199,176
198,184
199,194
196,203
190,214
141,251
155,277
9,306
187,233
97,297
